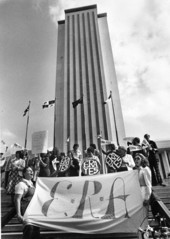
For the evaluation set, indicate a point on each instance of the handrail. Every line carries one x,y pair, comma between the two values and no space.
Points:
157,206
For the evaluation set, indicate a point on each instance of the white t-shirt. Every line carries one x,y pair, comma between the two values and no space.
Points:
129,160
77,155
22,188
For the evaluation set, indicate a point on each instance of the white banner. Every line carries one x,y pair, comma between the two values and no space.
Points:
107,203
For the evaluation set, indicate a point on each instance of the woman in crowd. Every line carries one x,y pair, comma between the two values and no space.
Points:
24,191
144,172
34,163
17,165
77,153
74,166
44,165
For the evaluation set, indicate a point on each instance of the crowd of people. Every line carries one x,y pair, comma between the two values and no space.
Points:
21,172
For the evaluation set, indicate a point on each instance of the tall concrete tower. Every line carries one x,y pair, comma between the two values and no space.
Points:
85,68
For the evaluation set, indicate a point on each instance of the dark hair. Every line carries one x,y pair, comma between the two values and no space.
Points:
90,150
146,136
129,143
136,140
55,151
42,155
93,146
19,152
75,145
25,169
62,154
111,146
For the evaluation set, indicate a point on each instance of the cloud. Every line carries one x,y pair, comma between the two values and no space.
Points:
56,10
142,62
7,133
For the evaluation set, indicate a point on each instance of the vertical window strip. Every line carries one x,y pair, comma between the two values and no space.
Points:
100,68
74,79
81,88
87,83
93,74
68,81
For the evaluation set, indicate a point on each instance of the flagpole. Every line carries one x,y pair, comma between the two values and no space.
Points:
117,139
25,146
101,155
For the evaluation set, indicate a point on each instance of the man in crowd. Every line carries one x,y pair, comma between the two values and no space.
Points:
153,160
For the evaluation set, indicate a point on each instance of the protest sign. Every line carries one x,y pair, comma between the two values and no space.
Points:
113,161
39,142
64,164
90,167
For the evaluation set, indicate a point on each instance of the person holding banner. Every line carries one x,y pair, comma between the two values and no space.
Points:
24,192
144,172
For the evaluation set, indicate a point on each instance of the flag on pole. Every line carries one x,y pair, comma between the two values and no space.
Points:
105,102
3,142
48,104
26,110
75,103
16,145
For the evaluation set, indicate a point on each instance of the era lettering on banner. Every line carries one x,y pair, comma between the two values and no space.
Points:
86,194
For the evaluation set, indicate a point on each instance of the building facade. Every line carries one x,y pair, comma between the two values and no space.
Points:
85,68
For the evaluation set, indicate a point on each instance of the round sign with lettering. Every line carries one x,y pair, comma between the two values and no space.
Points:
113,161
64,164
90,167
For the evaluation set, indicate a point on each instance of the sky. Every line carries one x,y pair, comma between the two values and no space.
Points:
140,37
